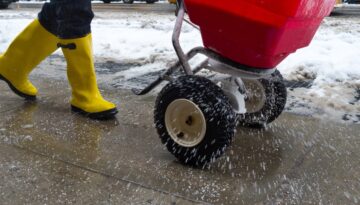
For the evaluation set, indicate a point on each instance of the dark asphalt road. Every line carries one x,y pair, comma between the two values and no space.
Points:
348,10
139,7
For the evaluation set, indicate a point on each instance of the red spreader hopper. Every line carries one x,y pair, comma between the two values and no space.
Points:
257,33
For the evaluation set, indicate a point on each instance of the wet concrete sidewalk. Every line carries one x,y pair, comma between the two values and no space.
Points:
50,156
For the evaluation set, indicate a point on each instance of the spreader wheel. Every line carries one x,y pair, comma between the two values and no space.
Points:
194,119
266,99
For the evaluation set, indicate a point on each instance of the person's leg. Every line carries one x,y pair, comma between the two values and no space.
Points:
74,19
86,97
27,50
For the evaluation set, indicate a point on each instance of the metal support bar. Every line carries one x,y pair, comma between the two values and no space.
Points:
240,83
240,67
176,41
157,82
246,70
170,71
201,66
192,24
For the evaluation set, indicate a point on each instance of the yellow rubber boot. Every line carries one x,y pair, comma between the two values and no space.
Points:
86,97
28,49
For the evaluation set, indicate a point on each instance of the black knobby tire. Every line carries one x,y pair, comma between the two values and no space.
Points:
107,1
220,119
150,1
275,101
128,1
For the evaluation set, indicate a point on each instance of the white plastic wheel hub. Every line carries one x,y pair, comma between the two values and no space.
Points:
256,95
185,123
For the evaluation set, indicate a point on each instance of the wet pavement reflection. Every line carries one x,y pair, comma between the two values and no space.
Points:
296,160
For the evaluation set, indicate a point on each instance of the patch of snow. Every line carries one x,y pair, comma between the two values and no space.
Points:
142,41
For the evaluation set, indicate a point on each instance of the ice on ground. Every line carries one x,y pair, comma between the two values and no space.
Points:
138,45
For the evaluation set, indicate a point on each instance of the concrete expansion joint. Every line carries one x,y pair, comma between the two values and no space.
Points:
108,175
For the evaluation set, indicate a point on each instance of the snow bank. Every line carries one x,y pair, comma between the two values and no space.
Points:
333,56
331,63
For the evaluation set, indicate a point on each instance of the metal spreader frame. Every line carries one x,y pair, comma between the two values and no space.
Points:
214,61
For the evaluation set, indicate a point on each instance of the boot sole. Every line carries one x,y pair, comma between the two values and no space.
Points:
18,92
105,115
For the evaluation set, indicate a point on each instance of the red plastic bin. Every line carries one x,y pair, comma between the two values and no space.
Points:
257,33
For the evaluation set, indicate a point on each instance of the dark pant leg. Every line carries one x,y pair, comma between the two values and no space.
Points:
47,18
67,18
73,18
